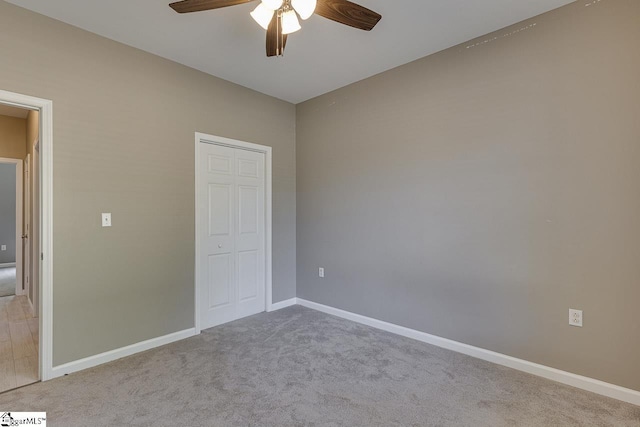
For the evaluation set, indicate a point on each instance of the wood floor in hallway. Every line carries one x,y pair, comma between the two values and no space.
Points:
18,343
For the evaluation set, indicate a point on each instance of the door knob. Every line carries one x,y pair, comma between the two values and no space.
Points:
220,246
24,236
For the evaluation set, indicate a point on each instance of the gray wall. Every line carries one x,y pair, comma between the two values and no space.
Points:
124,124
479,193
8,212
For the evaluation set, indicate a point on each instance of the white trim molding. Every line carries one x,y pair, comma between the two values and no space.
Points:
119,353
219,140
32,311
578,381
282,304
45,307
8,265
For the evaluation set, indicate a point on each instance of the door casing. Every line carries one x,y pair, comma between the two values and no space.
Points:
202,138
26,227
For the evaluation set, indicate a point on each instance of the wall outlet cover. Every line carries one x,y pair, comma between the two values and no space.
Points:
575,317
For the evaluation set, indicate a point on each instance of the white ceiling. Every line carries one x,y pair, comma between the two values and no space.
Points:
323,56
7,110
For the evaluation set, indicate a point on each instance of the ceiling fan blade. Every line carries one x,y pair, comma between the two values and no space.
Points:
348,13
276,41
272,39
186,6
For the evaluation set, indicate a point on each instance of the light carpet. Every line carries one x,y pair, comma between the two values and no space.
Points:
7,281
300,367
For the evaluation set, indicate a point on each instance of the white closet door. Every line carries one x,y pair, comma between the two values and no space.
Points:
232,247
250,232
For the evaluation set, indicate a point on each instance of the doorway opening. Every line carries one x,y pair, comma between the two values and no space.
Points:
25,202
19,133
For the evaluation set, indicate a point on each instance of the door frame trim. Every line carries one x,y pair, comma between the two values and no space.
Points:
45,309
203,138
19,220
27,208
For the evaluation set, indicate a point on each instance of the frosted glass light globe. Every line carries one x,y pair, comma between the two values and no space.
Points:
290,23
262,15
305,8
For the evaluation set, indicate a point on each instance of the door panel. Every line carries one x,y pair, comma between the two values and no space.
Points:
220,164
220,280
248,168
248,209
216,204
231,204
248,275
220,209
250,238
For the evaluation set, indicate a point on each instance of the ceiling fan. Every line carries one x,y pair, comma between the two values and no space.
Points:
280,17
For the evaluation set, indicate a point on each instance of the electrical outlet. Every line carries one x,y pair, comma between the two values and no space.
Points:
321,272
575,317
3,248
106,220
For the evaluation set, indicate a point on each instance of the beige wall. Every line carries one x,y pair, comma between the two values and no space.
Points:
478,194
13,134
124,124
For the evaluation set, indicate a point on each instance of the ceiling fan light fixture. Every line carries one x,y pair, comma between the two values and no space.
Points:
286,14
272,4
262,15
290,23
305,8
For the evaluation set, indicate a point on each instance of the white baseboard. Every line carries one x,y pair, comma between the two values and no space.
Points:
578,381
31,308
109,356
283,304
8,264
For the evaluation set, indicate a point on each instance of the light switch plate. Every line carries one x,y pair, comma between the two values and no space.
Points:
321,272
106,220
3,248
